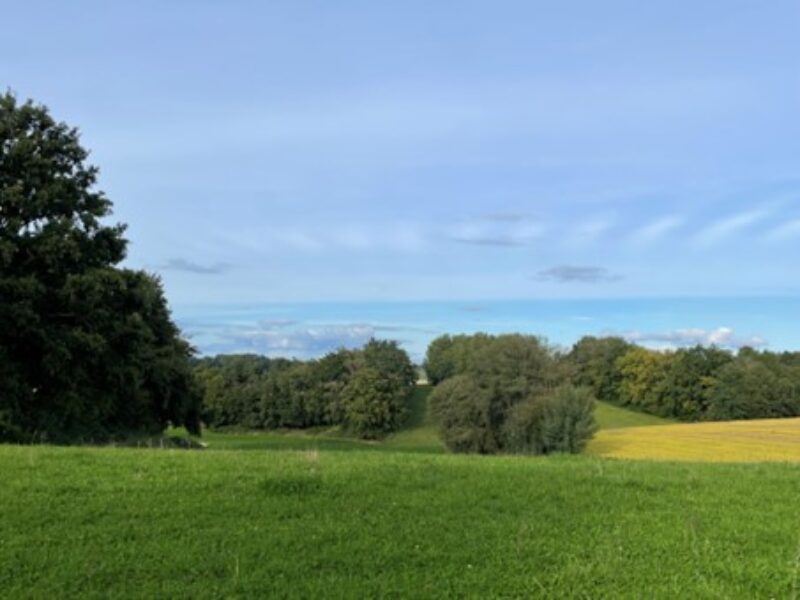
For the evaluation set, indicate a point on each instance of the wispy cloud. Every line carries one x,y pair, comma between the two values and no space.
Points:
723,337
725,228
187,266
656,230
271,324
497,230
345,236
587,232
787,231
474,308
578,274
505,217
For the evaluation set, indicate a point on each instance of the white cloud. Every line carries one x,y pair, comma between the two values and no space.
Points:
782,233
314,239
724,228
656,230
578,274
283,338
588,231
723,337
493,231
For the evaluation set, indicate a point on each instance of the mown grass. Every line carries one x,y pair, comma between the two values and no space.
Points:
145,523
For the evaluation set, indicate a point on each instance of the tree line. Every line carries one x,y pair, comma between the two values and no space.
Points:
366,391
514,393
689,384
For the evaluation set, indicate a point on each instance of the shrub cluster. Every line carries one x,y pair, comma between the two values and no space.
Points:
507,393
691,384
366,391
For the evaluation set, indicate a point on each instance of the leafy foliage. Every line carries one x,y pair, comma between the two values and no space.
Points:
691,384
367,391
506,397
88,351
461,409
593,361
452,355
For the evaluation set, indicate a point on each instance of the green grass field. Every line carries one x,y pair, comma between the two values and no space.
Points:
613,417
331,517
171,523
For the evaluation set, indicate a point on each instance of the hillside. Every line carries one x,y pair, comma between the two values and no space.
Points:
614,417
418,434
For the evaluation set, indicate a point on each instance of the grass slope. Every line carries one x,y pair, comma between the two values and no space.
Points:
169,523
614,417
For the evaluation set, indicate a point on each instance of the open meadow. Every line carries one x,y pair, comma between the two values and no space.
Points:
302,515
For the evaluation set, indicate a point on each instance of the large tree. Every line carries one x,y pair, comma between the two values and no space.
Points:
88,351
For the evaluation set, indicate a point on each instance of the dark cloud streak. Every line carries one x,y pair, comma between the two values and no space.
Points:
187,266
578,274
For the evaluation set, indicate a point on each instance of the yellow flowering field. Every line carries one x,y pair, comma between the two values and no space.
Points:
719,441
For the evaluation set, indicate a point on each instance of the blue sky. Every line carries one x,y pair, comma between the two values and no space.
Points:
295,152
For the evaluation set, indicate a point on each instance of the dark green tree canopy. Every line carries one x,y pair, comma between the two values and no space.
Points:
50,213
366,391
506,393
88,351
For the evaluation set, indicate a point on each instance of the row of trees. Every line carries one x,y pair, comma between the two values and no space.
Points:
366,391
507,393
700,383
88,350
513,393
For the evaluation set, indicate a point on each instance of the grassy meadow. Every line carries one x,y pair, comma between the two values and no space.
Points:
320,515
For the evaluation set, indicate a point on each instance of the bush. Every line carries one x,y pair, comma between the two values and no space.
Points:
501,401
460,407
567,420
522,430
374,405
562,421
